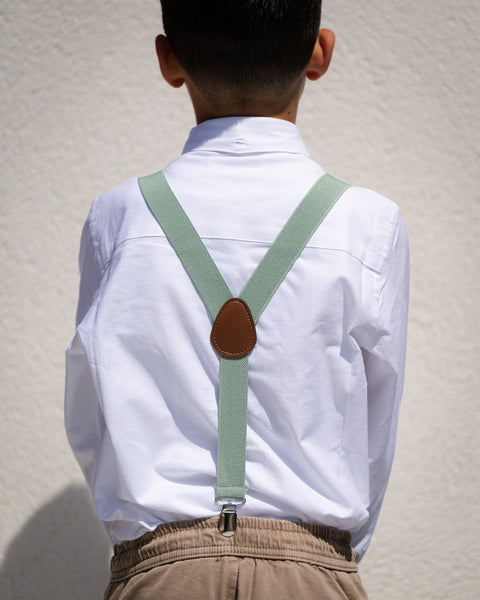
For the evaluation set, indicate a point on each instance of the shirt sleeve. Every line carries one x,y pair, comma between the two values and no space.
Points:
384,365
84,422
90,268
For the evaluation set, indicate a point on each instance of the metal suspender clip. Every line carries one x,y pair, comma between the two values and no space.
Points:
227,524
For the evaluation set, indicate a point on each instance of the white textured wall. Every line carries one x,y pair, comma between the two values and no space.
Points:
83,108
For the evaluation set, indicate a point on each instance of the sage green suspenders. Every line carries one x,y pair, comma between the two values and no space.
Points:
233,333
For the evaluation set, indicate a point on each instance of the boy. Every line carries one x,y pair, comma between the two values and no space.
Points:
325,376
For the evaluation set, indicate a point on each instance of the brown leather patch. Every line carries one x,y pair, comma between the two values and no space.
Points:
233,333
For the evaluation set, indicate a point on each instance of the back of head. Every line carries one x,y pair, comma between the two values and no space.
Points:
242,48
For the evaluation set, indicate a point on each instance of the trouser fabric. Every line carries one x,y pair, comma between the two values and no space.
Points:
266,559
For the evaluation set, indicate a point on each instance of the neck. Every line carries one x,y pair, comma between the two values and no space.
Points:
284,108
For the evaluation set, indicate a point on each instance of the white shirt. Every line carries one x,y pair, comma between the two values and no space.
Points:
325,377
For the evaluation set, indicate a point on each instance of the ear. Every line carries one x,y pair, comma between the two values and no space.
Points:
321,55
171,69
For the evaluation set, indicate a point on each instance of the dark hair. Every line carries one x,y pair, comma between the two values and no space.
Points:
247,48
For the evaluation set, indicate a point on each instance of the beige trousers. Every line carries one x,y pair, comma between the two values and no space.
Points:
265,560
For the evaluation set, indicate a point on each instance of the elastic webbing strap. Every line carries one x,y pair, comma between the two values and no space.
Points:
186,242
232,413
232,408
232,428
290,242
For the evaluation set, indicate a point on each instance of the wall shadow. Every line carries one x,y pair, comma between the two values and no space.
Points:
61,553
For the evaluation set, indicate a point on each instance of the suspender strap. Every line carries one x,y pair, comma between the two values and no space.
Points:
185,241
232,418
290,242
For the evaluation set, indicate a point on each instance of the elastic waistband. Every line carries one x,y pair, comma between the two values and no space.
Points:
255,538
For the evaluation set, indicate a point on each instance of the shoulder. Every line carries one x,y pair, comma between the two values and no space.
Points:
114,217
367,224
114,205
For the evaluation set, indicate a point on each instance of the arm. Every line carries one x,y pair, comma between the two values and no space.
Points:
384,361
83,417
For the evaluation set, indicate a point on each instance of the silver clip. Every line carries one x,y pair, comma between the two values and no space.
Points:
227,525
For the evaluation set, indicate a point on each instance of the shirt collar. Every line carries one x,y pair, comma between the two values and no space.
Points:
244,135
